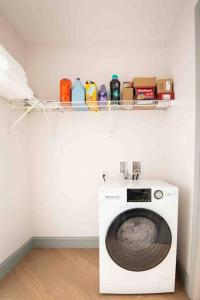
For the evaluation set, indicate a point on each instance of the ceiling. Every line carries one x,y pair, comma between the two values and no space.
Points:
63,21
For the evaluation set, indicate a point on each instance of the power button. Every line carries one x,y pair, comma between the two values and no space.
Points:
158,194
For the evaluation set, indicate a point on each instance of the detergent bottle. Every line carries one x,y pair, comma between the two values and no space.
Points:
91,95
65,90
115,89
78,95
103,95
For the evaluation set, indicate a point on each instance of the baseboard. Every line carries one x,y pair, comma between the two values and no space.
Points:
46,242
13,259
65,242
183,275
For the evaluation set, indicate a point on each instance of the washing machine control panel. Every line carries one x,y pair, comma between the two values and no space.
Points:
138,195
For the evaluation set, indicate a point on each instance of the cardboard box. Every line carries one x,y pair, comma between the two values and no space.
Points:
145,93
127,94
144,82
127,84
164,86
166,96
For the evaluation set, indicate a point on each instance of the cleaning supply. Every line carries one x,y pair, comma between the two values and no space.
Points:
103,96
127,94
165,90
78,95
91,95
145,88
115,89
65,90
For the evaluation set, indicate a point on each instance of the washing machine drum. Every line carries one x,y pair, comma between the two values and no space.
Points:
138,239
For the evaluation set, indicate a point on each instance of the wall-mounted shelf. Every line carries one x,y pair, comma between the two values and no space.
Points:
56,106
51,105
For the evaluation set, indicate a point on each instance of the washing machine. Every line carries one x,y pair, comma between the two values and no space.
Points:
137,237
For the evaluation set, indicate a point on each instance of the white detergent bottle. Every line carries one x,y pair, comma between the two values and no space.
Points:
78,95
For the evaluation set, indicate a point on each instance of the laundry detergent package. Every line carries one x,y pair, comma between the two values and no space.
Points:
115,89
144,82
165,89
91,95
78,96
127,93
102,96
65,90
145,88
164,86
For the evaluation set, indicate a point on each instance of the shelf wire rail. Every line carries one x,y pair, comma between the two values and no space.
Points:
45,106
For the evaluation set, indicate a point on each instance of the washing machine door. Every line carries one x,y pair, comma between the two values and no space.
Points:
138,239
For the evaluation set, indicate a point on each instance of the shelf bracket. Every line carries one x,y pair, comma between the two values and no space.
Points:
36,101
43,110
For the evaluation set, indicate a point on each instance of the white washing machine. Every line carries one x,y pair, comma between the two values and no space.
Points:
138,237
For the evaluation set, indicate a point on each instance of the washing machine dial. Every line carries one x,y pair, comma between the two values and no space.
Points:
158,194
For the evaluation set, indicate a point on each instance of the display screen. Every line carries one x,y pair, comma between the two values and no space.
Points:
138,195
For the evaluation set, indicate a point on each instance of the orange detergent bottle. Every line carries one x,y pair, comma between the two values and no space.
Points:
65,90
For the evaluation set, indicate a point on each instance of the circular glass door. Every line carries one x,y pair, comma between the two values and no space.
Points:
138,239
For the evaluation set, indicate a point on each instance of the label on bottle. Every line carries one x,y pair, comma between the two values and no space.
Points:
116,94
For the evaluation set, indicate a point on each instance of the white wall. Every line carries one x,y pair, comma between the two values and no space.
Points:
180,125
67,170
47,64
15,214
12,41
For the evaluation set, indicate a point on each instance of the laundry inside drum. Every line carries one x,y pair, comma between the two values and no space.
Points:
137,234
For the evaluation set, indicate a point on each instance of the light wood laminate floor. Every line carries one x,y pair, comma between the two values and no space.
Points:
63,274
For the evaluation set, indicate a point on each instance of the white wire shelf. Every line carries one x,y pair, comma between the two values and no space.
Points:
54,105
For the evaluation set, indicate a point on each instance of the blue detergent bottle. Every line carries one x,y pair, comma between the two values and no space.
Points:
78,95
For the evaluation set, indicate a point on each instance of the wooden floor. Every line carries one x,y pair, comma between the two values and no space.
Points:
63,274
